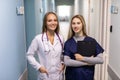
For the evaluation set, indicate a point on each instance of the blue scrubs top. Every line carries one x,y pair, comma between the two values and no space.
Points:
82,72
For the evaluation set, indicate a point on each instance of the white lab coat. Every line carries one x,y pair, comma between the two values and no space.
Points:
49,56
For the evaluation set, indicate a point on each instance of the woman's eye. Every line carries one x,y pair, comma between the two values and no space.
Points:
73,23
52,20
78,22
49,20
55,20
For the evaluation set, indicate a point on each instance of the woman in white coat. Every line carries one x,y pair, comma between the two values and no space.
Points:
48,46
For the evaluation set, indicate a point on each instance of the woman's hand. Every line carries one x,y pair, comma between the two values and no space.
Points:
62,68
43,70
78,57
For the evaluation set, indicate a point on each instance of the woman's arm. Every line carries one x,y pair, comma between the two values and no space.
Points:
70,62
94,60
91,60
30,54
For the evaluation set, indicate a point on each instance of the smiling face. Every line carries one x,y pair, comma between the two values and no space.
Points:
77,26
51,22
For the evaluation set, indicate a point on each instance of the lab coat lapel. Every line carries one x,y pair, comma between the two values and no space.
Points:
56,40
45,41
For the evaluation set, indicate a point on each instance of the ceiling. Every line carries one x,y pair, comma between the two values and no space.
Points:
64,2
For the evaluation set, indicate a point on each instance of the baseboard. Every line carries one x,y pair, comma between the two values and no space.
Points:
24,75
112,74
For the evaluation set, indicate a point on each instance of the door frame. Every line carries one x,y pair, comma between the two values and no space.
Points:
105,37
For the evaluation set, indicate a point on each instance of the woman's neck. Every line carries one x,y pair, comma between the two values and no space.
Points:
79,37
50,33
50,36
79,34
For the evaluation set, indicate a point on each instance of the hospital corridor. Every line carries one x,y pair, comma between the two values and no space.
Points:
22,20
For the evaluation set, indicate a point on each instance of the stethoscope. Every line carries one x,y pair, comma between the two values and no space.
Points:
46,47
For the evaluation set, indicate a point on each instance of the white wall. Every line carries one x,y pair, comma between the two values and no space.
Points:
115,40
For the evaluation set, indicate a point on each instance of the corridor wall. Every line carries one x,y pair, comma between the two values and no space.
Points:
12,41
33,22
114,53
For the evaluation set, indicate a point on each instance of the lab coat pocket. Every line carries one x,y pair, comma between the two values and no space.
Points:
41,76
61,76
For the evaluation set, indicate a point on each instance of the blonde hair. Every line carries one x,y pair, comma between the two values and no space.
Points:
71,32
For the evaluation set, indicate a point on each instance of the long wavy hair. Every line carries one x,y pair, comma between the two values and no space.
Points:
71,32
44,27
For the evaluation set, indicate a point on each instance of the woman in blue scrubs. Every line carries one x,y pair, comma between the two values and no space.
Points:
79,67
